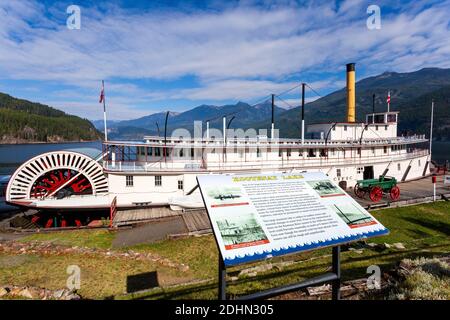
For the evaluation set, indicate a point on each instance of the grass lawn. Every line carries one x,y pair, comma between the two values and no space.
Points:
423,229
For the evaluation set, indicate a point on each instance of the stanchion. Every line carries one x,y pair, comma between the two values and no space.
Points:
336,268
222,279
334,277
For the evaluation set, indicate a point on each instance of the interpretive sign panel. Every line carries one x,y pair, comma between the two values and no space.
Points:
264,215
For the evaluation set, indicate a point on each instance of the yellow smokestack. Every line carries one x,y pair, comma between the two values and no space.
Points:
351,92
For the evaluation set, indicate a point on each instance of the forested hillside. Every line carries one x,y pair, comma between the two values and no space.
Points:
24,121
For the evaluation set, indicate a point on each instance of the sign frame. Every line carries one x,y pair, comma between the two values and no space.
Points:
333,277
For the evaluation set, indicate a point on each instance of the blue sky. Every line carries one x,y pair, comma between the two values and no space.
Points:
169,55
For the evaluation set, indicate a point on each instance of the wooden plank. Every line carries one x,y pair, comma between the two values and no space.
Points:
196,220
143,214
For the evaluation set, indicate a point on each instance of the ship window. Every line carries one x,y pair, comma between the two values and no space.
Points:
192,152
338,173
376,128
158,181
360,170
311,153
180,184
399,167
373,150
258,152
157,152
149,151
142,151
392,118
333,152
345,128
288,152
359,151
384,149
334,128
180,152
385,127
379,118
129,181
280,152
419,163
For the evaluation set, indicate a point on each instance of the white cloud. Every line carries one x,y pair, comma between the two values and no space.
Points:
242,52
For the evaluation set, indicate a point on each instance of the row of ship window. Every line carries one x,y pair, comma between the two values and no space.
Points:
156,151
365,128
129,182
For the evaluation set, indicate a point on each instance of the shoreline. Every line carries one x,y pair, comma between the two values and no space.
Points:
43,142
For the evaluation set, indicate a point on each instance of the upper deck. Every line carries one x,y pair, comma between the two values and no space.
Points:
157,154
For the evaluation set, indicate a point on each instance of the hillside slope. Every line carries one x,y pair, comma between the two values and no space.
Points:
25,121
411,94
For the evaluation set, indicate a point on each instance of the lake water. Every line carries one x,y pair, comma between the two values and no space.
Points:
12,156
441,151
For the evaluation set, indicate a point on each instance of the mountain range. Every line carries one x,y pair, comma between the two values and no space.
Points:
239,115
411,94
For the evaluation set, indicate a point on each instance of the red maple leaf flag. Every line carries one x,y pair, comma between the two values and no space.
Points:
388,100
102,93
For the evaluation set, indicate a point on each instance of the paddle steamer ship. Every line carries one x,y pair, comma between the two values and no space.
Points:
161,171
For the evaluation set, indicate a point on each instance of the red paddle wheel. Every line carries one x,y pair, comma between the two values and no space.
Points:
63,182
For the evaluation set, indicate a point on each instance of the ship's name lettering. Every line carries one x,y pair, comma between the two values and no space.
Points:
342,178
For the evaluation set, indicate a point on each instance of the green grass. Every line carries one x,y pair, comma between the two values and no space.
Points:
100,277
423,229
80,238
426,223
196,252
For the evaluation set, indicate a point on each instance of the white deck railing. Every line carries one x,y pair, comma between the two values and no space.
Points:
196,165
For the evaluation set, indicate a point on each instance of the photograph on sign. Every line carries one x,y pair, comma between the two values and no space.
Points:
325,188
222,196
264,215
241,230
352,215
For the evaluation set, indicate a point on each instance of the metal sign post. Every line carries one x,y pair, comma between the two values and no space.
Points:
334,277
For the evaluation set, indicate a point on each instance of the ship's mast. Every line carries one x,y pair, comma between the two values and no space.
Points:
431,126
273,117
303,113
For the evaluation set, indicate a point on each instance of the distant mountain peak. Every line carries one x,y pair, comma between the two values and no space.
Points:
387,74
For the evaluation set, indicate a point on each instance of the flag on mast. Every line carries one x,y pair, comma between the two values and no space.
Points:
388,100
102,93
